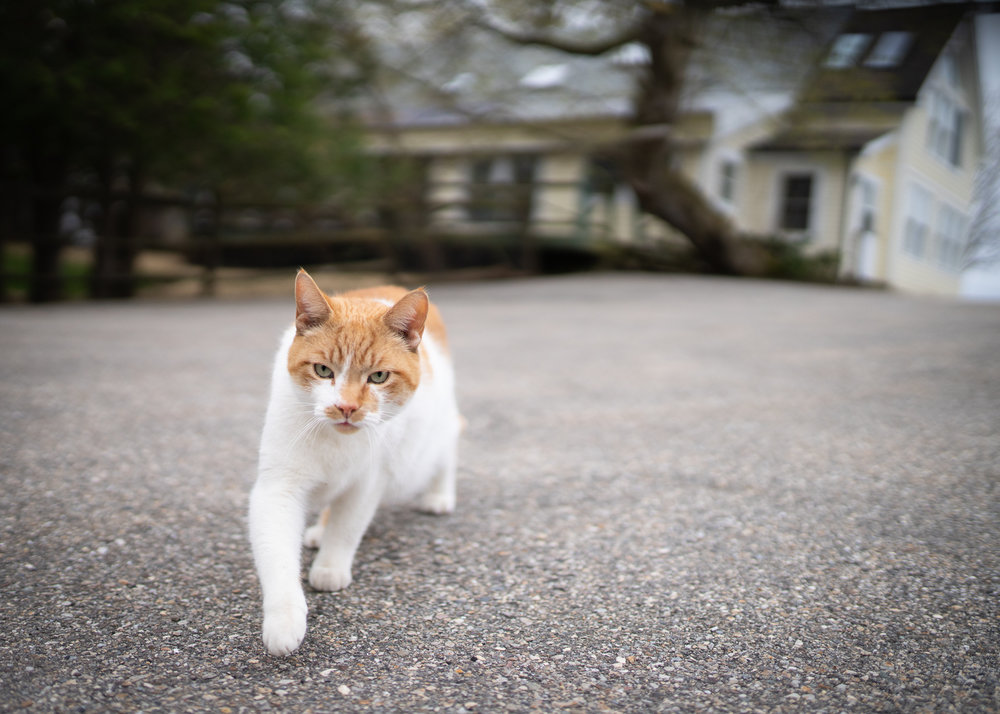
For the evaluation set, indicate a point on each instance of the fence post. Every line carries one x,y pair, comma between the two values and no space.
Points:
45,284
523,203
213,250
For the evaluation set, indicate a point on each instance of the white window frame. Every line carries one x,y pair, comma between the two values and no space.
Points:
500,174
945,128
733,162
847,49
799,234
949,70
865,202
947,115
889,50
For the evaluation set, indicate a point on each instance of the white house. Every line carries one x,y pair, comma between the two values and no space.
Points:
852,132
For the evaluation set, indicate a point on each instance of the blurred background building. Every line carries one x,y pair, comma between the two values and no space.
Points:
147,143
852,133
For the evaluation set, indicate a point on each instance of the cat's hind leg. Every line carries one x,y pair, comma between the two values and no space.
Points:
314,533
439,497
347,519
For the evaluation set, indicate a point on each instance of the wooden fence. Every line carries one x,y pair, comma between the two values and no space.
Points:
205,241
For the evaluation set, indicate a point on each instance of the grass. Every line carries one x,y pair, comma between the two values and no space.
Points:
74,272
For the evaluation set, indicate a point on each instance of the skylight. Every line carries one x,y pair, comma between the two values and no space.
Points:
545,76
890,49
847,49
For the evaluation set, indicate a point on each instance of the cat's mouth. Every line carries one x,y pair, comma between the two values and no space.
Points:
346,427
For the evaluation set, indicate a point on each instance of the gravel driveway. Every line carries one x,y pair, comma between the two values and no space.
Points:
675,494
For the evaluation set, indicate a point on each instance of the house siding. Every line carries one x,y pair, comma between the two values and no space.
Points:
877,164
950,185
568,205
760,200
557,203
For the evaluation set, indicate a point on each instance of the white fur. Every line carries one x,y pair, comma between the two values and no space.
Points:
305,463
326,392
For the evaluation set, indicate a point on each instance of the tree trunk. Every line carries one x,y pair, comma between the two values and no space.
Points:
9,205
46,193
651,153
102,275
212,247
523,208
115,251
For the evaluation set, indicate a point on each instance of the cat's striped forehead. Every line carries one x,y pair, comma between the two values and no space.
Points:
355,334
354,341
389,295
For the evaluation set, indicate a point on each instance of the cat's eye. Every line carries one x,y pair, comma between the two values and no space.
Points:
378,377
323,371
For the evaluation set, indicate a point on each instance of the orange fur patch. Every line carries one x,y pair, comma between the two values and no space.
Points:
355,341
393,293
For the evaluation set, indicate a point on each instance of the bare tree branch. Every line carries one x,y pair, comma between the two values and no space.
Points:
983,247
590,48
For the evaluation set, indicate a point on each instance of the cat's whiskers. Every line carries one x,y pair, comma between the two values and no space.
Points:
305,433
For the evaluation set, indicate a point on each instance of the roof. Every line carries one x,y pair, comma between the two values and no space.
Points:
484,78
882,55
838,126
867,75
793,63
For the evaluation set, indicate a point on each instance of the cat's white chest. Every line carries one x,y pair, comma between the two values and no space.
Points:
400,455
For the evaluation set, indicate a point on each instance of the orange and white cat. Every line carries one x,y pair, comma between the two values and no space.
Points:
362,406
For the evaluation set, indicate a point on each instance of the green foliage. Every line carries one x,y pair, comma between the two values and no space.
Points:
788,261
74,273
223,94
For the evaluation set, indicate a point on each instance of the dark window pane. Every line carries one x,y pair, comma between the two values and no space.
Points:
797,195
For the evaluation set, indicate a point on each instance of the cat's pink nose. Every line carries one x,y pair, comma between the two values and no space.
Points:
347,409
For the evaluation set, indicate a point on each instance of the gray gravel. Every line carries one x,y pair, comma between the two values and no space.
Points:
675,494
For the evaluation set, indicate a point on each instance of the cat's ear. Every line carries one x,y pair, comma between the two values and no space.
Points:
311,307
407,317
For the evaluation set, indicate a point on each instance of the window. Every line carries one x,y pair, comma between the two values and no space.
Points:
950,238
866,196
949,70
889,50
846,50
603,176
727,181
796,202
945,128
918,221
500,188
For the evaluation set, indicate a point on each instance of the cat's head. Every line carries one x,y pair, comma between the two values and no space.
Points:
356,358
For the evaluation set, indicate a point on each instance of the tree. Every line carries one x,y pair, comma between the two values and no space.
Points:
111,95
670,33
983,248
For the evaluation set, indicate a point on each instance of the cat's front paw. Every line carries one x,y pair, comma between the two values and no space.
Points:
329,578
284,628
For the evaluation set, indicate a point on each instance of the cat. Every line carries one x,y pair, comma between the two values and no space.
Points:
362,406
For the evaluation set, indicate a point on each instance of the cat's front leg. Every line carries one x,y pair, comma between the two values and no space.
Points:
347,519
277,519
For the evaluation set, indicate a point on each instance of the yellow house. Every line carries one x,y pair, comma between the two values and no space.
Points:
878,158
870,155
